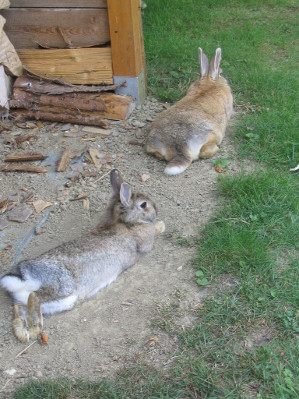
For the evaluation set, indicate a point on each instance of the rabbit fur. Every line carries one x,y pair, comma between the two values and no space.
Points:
76,270
194,126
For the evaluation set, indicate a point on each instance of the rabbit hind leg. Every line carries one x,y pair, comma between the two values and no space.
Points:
19,323
209,148
34,317
159,227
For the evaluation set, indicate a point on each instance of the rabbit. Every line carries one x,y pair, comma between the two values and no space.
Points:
194,126
76,270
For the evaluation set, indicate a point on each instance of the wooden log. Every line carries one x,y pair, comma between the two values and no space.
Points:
39,86
58,3
77,66
24,157
64,161
22,168
82,101
59,115
29,28
82,106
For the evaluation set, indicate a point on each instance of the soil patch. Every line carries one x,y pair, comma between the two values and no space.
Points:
115,328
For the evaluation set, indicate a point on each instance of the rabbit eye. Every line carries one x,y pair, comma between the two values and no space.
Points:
143,205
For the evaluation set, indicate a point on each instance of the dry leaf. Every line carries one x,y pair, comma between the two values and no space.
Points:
81,196
43,339
153,341
40,205
3,206
93,152
218,169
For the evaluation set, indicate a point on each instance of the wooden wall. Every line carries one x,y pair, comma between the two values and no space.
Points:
78,41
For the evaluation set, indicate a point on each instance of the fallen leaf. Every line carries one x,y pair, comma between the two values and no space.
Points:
93,152
3,205
218,169
153,341
96,130
43,339
40,205
81,196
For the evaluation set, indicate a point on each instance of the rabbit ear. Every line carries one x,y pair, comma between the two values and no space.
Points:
116,181
125,194
204,63
215,62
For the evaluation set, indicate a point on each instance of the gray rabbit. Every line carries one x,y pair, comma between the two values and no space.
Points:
77,270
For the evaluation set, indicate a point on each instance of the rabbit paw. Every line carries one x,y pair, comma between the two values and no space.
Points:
19,324
35,317
160,227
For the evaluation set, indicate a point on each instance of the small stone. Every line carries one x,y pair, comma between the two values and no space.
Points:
38,374
115,134
10,372
139,133
65,127
138,124
145,177
20,213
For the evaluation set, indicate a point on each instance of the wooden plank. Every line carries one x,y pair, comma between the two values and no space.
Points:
126,37
56,27
58,3
78,66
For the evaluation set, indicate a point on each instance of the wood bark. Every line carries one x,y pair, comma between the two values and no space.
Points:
24,157
22,168
60,115
82,101
38,86
64,161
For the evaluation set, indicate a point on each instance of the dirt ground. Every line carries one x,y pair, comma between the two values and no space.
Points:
115,328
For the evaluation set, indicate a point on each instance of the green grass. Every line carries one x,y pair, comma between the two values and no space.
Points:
243,344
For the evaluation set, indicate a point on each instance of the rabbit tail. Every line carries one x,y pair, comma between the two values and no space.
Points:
177,165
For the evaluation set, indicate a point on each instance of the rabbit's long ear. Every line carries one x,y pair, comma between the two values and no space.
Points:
116,181
215,62
125,194
204,63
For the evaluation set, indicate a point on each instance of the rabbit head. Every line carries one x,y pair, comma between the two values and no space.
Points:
210,74
126,206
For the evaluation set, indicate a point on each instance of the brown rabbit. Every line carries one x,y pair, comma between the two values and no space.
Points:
194,126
